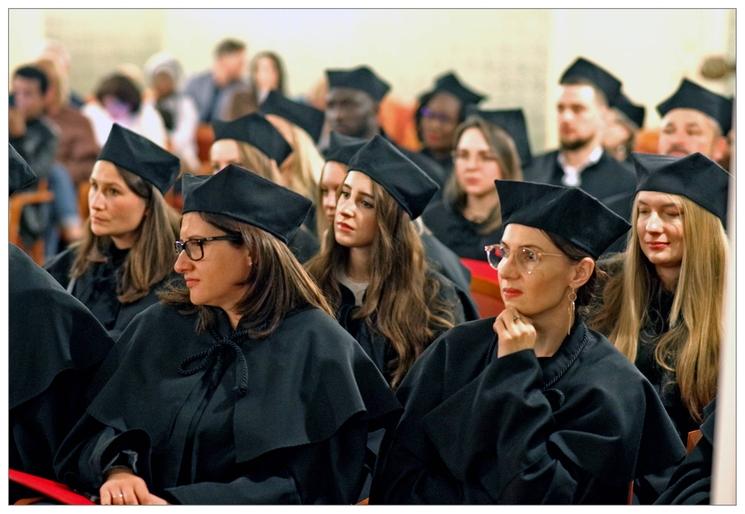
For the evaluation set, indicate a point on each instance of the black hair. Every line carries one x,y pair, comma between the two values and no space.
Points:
34,73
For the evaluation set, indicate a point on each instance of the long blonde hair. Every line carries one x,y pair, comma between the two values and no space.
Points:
690,347
401,302
305,163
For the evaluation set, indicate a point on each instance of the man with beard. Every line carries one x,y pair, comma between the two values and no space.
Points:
352,107
694,119
586,92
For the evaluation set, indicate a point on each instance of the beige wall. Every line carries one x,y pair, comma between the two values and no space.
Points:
515,56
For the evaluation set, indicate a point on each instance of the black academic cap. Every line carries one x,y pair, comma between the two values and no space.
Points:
141,156
243,195
690,95
304,116
257,131
603,80
568,212
635,113
406,182
449,83
342,148
20,174
362,78
513,122
694,176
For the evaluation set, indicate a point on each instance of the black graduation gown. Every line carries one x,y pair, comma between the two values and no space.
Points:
691,481
97,288
55,346
376,346
303,244
219,418
456,232
446,163
446,262
576,427
602,180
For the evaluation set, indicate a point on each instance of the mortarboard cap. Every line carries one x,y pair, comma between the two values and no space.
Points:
635,113
567,212
304,116
20,174
694,176
449,83
586,70
406,182
257,131
690,95
513,122
361,78
342,148
139,155
243,195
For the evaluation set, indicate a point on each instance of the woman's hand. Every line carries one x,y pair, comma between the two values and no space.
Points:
122,487
515,332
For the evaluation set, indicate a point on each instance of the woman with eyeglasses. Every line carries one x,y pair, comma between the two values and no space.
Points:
440,111
662,305
467,217
372,267
239,387
530,406
251,142
126,253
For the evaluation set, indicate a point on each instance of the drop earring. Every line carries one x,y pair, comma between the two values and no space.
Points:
572,297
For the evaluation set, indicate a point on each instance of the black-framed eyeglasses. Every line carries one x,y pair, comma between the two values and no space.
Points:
527,259
194,248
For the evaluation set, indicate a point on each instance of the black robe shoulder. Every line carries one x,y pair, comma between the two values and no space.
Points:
446,262
219,418
456,232
97,288
573,428
376,346
55,346
604,179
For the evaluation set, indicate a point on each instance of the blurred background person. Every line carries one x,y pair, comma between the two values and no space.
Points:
267,73
212,90
625,120
440,112
118,99
177,109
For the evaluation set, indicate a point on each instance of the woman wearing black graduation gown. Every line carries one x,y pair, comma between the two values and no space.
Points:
545,412
54,348
662,305
372,267
126,253
467,217
241,388
340,151
253,143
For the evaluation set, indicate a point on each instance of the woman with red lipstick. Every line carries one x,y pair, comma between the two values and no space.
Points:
662,305
125,254
239,387
372,267
531,406
467,217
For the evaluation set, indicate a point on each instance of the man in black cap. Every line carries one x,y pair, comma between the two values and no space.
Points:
352,108
440,111
586,92
695,119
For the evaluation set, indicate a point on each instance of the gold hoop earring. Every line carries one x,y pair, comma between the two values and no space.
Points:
572,297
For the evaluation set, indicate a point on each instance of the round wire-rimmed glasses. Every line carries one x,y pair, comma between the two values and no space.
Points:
527,258
194,248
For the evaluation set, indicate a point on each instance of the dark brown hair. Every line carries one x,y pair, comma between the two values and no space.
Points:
275,285
402,302
122,88
150,259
